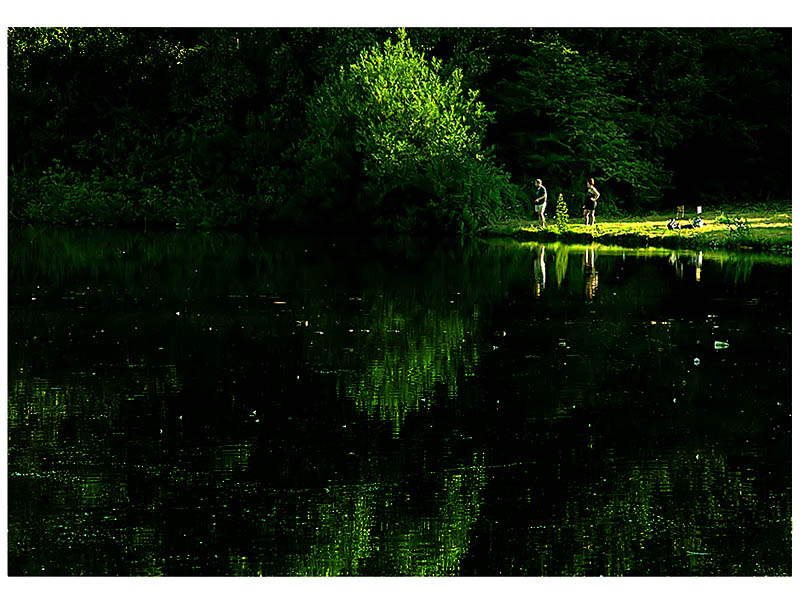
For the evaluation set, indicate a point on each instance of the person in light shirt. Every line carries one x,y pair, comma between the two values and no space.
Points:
540,201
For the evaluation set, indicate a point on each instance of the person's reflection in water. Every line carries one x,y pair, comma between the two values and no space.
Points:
675,261
539,273
590,276
698,266
681,262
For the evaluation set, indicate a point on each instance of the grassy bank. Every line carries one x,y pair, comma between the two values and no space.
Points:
747,229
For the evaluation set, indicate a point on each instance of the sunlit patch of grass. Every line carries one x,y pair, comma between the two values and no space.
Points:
758,229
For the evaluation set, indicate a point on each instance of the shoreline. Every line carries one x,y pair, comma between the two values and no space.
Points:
755,230
760,231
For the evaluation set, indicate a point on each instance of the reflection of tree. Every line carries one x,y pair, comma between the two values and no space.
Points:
212,440
399,335
370,531
146,432
65,454
64,464
561,262
437,544
737,267
406,357
409,339
653,518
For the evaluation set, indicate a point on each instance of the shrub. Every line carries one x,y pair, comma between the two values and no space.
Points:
738,229
562,215
66,196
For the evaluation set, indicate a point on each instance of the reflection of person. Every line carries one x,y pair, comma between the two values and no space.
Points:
681,262
590,202
698,265
590,277
540,200
539,273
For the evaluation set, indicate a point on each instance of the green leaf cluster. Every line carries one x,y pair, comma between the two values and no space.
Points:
404,144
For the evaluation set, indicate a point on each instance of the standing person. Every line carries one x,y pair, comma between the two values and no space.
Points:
540,201
590,203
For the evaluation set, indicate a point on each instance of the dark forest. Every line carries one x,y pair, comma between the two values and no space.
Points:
404,130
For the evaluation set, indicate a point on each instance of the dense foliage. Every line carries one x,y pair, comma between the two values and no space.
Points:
388,138
430,128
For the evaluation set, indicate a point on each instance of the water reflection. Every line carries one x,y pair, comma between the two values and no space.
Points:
380,529
403,359
677,515
225,405
691,262
591,279
539,271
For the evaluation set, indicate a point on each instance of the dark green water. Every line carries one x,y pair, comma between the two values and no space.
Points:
187,404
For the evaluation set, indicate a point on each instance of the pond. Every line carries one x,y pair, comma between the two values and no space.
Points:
226,405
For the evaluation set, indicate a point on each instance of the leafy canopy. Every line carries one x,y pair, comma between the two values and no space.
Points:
403,141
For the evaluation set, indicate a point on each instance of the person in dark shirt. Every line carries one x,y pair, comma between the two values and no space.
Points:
590,202
540,201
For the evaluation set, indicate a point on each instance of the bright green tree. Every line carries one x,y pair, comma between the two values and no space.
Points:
562,215
392,141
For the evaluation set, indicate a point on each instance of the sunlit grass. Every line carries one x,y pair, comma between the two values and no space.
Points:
763,230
